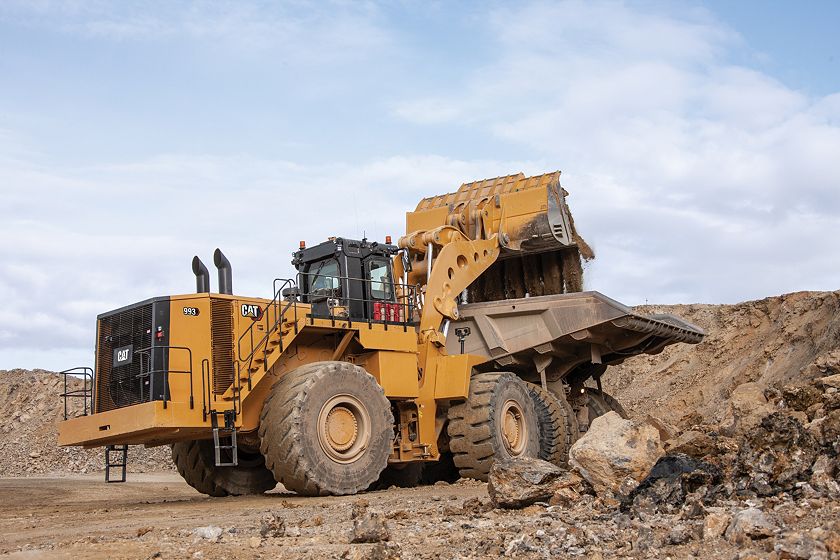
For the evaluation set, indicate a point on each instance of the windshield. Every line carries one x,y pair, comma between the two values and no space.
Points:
380,280
323,276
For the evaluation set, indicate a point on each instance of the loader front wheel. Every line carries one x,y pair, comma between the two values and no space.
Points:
497,421
326,429
556,425
196,463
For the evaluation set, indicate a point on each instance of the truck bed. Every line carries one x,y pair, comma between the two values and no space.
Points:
560,332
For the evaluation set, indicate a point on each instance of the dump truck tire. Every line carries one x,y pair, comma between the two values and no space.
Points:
405,475
196,463
497,421
600,403
556,426
326,429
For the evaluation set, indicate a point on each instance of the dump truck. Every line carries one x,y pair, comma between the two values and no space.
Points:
468,341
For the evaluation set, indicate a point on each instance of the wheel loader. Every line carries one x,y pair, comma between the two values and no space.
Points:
467,342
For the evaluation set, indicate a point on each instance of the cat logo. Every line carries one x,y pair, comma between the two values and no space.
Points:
251,310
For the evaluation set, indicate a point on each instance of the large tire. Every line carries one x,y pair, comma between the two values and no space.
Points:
600,403
196,463
497,421
401,475
326,429
556,426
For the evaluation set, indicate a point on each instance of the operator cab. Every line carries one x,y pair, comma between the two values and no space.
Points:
346,278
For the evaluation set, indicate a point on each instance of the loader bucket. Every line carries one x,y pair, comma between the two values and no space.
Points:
540,249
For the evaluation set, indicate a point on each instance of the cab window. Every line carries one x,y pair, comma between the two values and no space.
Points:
379,274
323,276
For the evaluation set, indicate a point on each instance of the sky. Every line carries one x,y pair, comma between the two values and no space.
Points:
699,142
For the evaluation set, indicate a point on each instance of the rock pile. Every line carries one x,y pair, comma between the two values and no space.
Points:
30,403
747,489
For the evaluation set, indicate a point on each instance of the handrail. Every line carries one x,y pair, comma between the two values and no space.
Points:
404,296
147,352
86,392
269,329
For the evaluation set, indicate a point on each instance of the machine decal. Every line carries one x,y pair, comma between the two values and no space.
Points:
123,355
191,311
251,310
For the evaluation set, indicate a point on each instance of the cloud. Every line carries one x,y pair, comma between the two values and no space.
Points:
695,178
302,32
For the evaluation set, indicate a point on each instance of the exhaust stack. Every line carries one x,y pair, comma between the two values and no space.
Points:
202,276
225,272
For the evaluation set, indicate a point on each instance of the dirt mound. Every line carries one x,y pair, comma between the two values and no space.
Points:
772,341
30,403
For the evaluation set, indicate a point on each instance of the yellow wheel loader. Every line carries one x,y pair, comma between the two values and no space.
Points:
466,342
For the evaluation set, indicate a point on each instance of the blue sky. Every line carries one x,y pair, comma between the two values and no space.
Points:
699,141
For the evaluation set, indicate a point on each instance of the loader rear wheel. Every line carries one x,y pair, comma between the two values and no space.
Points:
326,428
497,421
196,463
556,426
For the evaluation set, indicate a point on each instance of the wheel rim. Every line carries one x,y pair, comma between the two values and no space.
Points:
344,428
514,428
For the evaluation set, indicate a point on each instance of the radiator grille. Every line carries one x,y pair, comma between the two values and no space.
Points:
121,386
221,339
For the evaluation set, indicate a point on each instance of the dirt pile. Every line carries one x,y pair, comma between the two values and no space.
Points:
30,403
772,342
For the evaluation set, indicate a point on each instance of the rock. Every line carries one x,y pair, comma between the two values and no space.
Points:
210,532
521,481
824,476
826,429
369,528
750,523
272,526
797,546
747,406
671,479
830,381
715,525
801,396
613,449
254,542
776,455
679,534
693,443
666,431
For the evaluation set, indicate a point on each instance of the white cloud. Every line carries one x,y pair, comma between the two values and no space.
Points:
301,32
695,179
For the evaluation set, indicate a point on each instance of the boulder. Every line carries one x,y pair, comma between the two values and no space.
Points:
519,482
776,455
693,443
750,523
369,528
614,449
830,381
670,481
747,406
